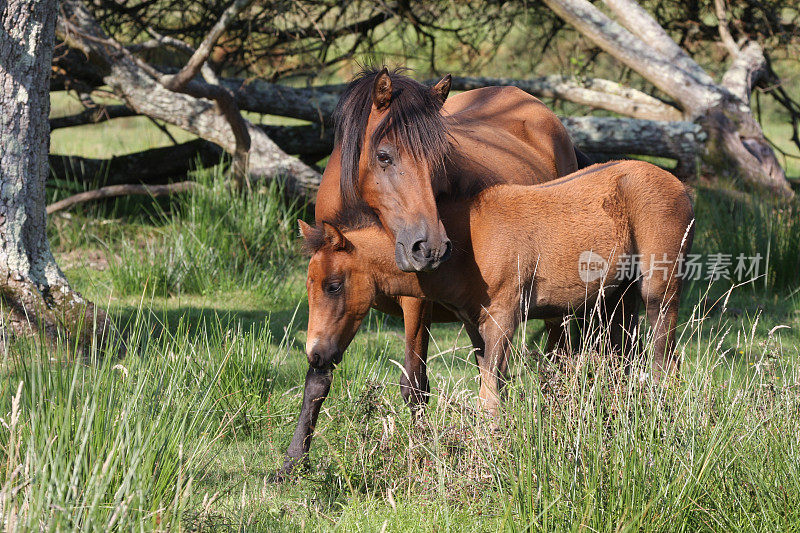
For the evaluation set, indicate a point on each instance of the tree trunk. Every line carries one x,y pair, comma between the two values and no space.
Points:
153,166
35,296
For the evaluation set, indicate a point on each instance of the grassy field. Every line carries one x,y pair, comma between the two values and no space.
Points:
185,430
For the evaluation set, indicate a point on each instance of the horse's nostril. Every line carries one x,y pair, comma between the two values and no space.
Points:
316,359
421,248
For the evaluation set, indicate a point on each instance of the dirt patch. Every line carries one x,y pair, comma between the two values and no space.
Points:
91,259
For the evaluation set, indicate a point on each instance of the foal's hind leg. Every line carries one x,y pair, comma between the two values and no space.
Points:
664,319
661,295
622,319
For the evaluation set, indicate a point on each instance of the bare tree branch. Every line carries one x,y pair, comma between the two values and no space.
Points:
592,92
226,103
721,8
135,83
91,116
180,80
120,190
639,22
749,66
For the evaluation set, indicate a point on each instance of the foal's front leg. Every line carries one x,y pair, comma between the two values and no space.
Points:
496,332
317,386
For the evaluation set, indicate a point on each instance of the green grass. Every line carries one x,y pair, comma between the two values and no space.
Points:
216,240
185,431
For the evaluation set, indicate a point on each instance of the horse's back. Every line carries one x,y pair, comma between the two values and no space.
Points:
510,134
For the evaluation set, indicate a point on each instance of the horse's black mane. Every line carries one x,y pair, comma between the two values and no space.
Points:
413,119
359,217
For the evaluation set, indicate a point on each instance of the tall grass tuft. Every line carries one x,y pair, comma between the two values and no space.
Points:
214,240
112,445
127,444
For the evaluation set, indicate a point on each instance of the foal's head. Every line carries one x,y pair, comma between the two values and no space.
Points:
394,143
340,292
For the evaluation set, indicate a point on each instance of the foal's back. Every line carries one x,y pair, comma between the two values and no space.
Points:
616,209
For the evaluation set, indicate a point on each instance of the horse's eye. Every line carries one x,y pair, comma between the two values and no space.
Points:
384,159
334,287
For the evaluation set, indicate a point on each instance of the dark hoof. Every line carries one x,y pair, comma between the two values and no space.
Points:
292,468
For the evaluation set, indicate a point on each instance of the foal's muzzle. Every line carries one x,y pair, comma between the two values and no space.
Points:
323,354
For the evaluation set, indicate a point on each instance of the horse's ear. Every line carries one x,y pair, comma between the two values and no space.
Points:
382,90
334,237
305,229
442,89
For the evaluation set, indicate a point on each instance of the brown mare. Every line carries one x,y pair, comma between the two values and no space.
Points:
402,146
516,255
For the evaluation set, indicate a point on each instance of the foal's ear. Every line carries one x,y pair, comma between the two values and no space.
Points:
305,229
442,89
334,237
382,90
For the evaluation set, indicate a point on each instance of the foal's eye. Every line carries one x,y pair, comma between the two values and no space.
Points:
384,159
334,287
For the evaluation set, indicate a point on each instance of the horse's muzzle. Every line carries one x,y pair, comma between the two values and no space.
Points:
421,255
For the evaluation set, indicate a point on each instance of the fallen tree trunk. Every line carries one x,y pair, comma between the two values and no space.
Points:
161,165
313,105
157,165
301,140
91,116
616,137
591,92
734,140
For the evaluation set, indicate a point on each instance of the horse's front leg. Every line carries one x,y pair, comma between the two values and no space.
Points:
318,384
414,384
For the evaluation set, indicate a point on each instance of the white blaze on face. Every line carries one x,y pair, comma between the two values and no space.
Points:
591,266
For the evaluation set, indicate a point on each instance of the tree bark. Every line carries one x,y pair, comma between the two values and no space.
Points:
34,293
610,137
